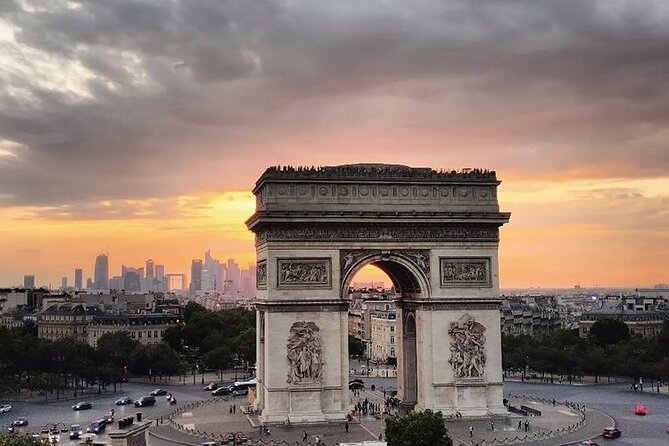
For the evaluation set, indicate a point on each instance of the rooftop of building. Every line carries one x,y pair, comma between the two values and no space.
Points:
375,172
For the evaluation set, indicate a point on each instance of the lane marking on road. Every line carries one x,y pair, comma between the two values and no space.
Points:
374,436
566,412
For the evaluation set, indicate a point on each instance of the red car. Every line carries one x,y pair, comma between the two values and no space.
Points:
640,409
611,432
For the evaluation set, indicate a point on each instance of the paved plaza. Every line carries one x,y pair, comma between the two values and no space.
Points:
215,420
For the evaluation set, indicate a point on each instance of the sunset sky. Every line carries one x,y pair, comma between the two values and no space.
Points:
139,127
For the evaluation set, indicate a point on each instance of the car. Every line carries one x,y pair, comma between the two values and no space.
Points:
356,380
96,427
75,432
22,421
10,429
159,392
4,408
145,401
209,443
355,386
611,432
640,409
124,401
82,405
54,436
222,391
212,386
588,443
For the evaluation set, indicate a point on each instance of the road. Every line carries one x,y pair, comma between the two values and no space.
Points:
40,414
615,400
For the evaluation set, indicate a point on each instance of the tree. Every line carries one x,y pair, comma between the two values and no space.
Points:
609,331
16,439
424,428
220,358
355,347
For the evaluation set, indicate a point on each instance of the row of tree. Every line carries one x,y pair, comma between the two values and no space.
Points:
205,339
609,350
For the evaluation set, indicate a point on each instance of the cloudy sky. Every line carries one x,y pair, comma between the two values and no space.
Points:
139,126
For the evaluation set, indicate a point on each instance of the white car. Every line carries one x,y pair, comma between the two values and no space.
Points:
4,408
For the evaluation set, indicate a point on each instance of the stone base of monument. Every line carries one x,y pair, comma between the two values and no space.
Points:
133,435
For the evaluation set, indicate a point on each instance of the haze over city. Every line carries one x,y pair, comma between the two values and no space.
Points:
129,128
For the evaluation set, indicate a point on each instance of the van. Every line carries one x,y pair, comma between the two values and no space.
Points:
242,387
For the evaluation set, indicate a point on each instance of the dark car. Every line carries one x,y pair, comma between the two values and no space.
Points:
82,405
611,432
145,401
75,432
212,386
22,421
123,401
356,380
159,392
97,427
354,385
222,391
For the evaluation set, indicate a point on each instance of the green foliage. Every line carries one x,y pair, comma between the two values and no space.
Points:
609,331
356,348
217,338
16,439
564,353
424,428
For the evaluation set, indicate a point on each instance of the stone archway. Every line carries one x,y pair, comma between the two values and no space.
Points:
436,236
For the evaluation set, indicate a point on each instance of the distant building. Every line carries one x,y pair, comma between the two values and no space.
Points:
13,298
144,328
29,281
78,275
66,320
101,272
89,283
644,313
529,315
160,273
382,342
149,270
195,276
131,280
63,283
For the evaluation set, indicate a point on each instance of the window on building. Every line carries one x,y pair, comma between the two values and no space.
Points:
155,333
133,335
392,339
148,334
139,334
392,328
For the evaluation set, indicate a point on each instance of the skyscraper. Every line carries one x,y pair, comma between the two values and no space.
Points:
149,269
63,283
195,276
101,272
29,281
78,274
160,273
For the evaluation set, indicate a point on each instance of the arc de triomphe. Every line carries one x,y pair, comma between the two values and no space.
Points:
434,233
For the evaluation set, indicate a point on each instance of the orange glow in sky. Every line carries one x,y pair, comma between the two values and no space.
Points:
604,232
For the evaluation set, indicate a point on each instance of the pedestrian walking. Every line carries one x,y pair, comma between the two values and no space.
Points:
318,440
492,425
520,424
346,426
527,425
381,437
304,436
471,431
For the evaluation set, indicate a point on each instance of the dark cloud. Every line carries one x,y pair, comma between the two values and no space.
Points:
130,99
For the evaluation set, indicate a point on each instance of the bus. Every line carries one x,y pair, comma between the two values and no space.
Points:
242,387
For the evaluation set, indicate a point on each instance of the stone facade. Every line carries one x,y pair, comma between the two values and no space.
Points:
434,233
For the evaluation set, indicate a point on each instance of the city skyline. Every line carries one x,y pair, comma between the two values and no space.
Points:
140,128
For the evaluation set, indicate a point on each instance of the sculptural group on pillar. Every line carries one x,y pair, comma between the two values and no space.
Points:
468,356
305,354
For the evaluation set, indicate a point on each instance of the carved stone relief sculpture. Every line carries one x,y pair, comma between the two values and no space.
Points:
468,355
304,273
465,272
304,353
261,274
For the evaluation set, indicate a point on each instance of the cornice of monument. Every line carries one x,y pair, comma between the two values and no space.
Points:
371,173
